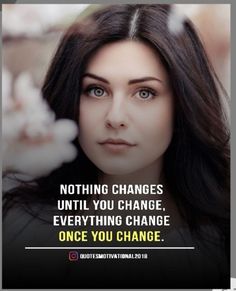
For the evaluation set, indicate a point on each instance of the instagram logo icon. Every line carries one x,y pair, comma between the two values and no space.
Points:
73,256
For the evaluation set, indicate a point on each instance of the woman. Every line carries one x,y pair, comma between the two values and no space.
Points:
149,111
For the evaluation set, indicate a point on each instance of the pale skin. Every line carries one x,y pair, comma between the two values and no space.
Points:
126,95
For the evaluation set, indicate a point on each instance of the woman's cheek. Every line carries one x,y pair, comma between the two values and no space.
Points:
157,126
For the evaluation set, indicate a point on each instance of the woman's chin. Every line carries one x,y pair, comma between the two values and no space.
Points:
117,171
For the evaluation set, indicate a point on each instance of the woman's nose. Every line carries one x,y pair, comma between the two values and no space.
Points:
117,116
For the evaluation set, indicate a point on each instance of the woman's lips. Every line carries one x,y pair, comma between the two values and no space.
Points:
116,145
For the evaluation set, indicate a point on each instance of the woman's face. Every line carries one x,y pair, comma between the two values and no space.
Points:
126,108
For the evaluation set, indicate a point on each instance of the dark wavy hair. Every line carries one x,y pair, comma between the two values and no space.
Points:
196,164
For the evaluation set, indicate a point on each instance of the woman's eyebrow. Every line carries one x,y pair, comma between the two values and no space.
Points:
95,77
134,81
144,79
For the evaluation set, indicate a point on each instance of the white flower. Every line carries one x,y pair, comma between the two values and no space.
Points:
41,158
33,142
178,14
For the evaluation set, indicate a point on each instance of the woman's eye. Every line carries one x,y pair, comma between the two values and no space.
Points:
146,94
96,92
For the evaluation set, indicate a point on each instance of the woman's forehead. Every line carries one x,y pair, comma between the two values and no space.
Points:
132,58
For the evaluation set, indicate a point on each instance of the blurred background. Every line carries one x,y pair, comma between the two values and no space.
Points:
31,33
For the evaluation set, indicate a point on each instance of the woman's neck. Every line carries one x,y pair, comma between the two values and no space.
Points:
149,175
